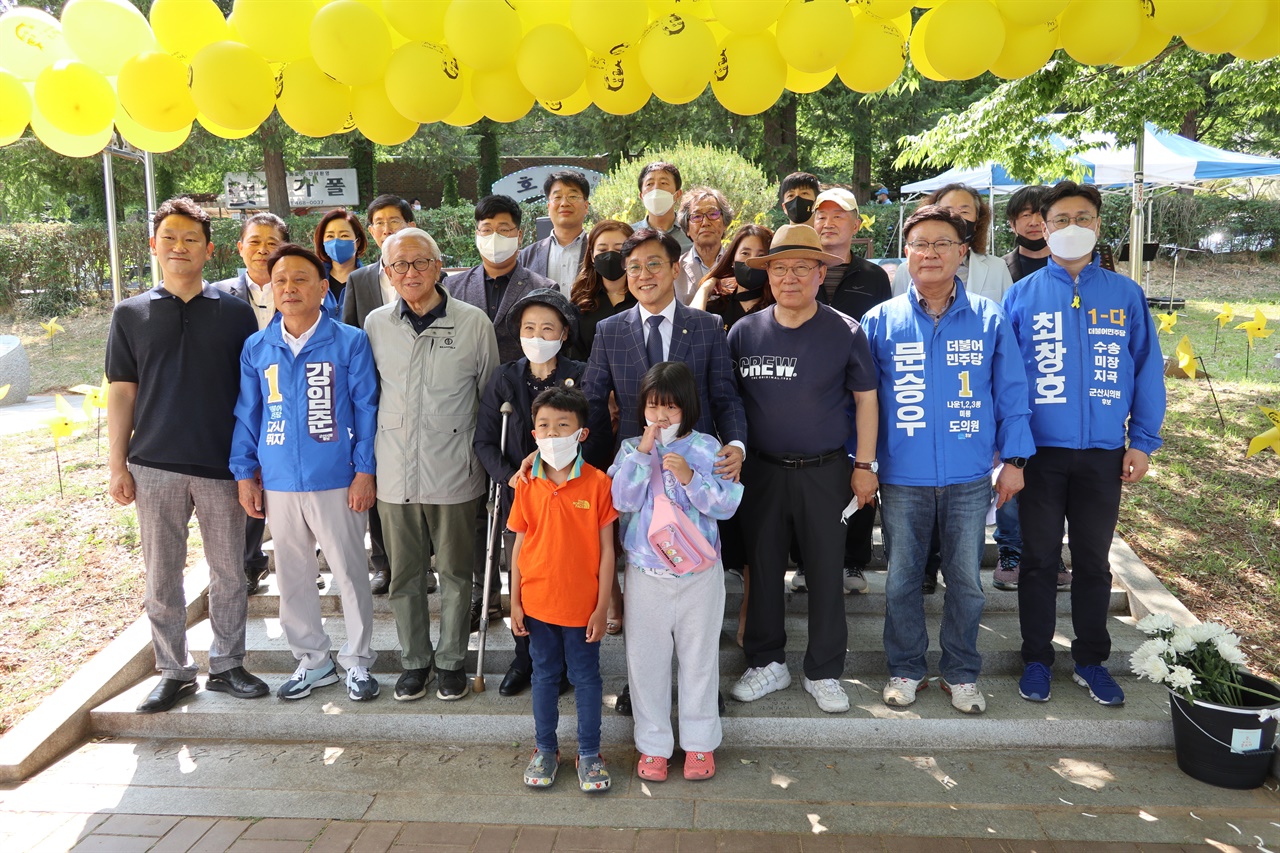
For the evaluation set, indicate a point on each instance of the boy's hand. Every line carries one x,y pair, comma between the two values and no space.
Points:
648,438
596,624
517,620
676,464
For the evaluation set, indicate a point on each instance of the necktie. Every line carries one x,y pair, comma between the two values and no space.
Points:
653,347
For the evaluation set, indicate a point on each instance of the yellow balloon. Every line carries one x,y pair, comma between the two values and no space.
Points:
417,20
750,74
68,144
30,41
105,33
1148,46
1028,12
232,85
145,139
483,34
570,106
351,43
877,56
802,82
616,84
551,62
15,106
965,37
677,56
1183,17
277,30
154,90
74,98
604,27
499,93
700,9
535,13
883,8
182,27
310,101
1027,47
1267,43
815,35
377,119
423,81
752,17
221,131
917,52
466,113
1239,26
1096,32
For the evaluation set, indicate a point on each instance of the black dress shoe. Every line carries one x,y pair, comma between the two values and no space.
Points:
623,705
254,579
452,684
167,692
514,683
412,684
380,581
565,684
237,682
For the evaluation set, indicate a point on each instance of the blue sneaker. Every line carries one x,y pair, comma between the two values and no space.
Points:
303,680
1035,682
1102,687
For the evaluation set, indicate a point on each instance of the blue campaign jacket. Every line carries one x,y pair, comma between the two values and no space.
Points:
1094,372
308,422
952,396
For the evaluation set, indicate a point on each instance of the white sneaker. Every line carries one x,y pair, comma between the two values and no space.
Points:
828,693
759,681
798,582
854,582
901,692
965,698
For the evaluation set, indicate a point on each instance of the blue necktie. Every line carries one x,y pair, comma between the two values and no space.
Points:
653,347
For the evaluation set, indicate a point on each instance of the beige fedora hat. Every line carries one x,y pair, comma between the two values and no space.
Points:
795,241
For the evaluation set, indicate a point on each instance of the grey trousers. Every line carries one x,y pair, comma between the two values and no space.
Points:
298,521
407,531
165,501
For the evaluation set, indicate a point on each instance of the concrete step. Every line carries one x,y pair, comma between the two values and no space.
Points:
999,641
789,718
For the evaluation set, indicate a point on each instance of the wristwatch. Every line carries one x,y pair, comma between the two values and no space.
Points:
1016,461
873,466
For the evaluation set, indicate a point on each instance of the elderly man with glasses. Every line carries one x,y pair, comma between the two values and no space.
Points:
801,366
705,216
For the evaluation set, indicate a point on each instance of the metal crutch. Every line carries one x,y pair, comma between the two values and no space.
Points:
492,533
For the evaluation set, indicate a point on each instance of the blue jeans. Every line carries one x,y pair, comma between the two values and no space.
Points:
1008,533
908,514
552,647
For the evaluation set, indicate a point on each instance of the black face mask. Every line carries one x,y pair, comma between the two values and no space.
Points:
968,231
750,280
610,265
799,209
1032,245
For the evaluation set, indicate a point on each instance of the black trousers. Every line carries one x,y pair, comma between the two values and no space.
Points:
1082,488
857,540
778,503
255,562
377,551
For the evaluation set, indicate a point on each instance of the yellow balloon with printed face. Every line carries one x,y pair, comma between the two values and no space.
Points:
145,139
1184,17
182,27
417,20
483,34
1028,12
499,93
105,33
802,82
570,106
30,41
751,17
310,101
1266,43
466,113
351,42
814,35
68,144
1026,49
155,92
278,30
424,82
605,27
221,131
1239,26
615,83
883,8
15,107
750,74
232,85
877,56
377,119
677,57
964,38
1098,32
535,13
551,62
74,98
917,51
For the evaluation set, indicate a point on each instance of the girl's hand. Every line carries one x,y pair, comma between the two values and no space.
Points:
676,464
648,438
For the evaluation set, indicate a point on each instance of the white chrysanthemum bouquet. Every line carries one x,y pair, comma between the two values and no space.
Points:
1200,661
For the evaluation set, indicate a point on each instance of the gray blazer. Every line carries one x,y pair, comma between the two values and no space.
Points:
535,257
238,286
469,287
362,294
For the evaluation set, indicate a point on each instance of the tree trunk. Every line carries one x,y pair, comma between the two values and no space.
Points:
360,156
273,166
781,151
490,158
1190,125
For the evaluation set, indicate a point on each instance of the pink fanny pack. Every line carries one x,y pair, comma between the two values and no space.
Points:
672,535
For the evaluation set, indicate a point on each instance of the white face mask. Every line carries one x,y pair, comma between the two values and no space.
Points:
539,351
495,248
1073,242
666,434
559,452
658,202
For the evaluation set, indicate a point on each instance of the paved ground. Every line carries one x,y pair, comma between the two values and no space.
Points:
30,415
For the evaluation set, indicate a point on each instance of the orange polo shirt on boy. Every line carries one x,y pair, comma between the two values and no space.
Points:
560,556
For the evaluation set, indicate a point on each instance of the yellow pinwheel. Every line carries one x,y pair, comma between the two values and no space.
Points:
1257,327
66,412
1270,438
4,391
60,426
868,222
1167,322
52,328
1226,316
95,396
1186,358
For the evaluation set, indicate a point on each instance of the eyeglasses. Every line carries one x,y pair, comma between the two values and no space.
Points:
798,270
421,265
504,230
654,267
572,198
713,215
938,246
1084,220
384,224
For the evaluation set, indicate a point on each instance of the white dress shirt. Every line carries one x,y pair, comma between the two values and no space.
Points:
563,262
665,328
262,302
384,284
296,344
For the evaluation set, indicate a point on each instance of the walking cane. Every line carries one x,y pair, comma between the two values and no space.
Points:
493,532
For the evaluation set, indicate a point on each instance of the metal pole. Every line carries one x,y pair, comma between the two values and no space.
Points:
149,175
991,222
1136,231
901,215
108,178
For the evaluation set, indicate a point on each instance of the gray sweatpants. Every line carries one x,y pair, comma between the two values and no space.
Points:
681,616
298,521
165,501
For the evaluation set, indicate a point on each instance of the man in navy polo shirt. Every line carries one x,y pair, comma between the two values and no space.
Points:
173,360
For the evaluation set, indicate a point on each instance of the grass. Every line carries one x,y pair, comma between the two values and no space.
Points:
72,357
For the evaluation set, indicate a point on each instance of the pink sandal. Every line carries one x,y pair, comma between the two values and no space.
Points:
699,765
652,768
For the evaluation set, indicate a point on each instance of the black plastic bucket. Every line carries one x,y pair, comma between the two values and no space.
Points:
1204,734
